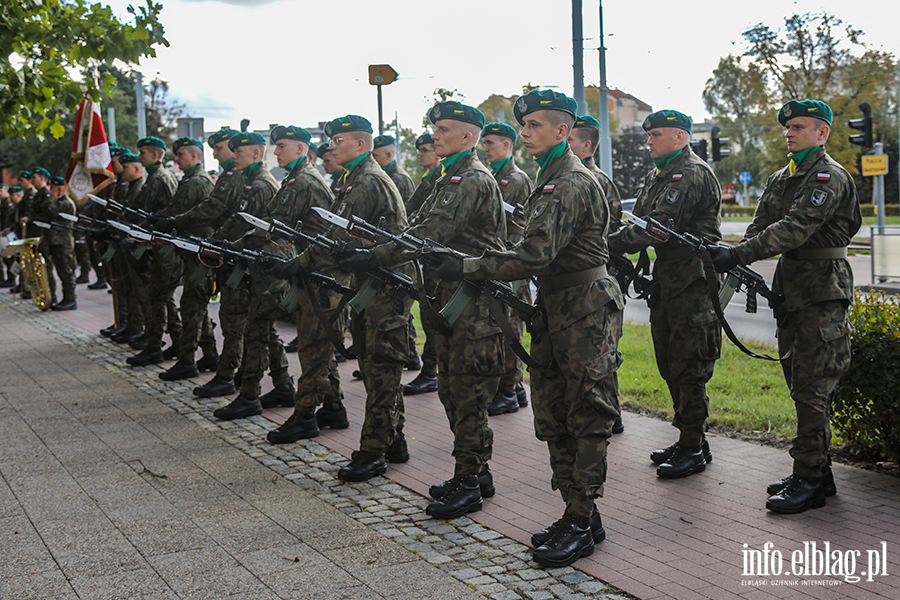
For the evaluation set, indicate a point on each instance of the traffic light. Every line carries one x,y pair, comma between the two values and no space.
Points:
863,125
699,148
717,145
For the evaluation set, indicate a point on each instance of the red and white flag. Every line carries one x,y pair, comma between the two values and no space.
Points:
90,168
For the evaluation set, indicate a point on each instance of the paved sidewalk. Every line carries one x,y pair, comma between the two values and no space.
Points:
666,539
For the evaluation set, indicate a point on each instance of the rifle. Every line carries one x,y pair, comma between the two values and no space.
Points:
119,209
497,291
740,276
60,226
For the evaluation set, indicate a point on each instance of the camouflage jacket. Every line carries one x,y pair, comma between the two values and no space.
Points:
565,232
156,192
40,206
337,179
515,187
423,191
7,213
60,237
686,197
816,207
259,188
194,187
613,198
222,202
402,180
23,210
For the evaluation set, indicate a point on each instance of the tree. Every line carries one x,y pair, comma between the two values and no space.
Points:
45,41
631,161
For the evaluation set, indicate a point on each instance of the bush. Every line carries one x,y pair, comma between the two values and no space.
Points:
733,210
866,406
890,210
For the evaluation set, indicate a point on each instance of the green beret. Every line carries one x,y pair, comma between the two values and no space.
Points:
41,171
314,147
57,181
384,140
25,175
347,124
455,111
499,129
3,186
586,121
322,150
805,108
290,132
425,138
667,118
127,157
15,189
155,142
543,100
112,145
118,151
222,135
185,141
247,138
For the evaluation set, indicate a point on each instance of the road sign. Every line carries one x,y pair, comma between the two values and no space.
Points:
744,178
381,74
874,165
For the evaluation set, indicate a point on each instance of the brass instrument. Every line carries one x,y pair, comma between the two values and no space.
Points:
34,270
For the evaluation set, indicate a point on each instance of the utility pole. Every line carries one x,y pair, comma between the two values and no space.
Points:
139,105
605,141
111,124
578,57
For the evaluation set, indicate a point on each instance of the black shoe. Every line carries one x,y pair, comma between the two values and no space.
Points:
357,374
53,300
828,487
7,283
799,494
686,460
147,356
333,415
521,395
26,295
504,402
83,278
660,456
485,484
239,408
293,345
97,285
619,426
398,452
64,305
180,370
208,363
281,395
422,384
571,540
139,342
338,357
363,466
463,496
215,387
414,363
299,426
113,330
598,533
172,351
126,335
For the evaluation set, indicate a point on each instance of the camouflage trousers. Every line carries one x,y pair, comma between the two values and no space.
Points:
687,340
512,365
197,327
470,363
818,340
382,349
165,276
233,307
63,259
139,280
263,348
575,404
319,381
43,249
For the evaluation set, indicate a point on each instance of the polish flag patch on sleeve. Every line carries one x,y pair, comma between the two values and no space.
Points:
291,181
677,177
548,188
823,177
504,182
456,179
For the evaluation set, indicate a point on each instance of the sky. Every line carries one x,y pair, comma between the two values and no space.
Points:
299,62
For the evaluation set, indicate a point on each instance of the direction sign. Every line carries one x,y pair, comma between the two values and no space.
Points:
744,178
874,165
381,74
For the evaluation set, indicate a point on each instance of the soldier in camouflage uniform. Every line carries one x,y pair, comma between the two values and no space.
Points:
379,331
683,192
155,283
7,218
331,167
40,209
565,246
426,380
808,213
498,140
61,242
465,213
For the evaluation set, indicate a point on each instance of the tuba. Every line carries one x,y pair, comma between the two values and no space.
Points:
34,271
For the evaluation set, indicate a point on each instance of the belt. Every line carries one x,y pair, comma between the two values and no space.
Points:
566,280
816,253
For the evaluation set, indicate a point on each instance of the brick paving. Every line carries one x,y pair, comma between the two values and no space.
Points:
666,539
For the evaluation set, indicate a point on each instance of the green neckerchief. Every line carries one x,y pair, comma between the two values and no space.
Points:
152,168
227,164
448,162
290,167
665,160
549,156
348,168
189,171
497,165
431,174
797,158
389,166
249,170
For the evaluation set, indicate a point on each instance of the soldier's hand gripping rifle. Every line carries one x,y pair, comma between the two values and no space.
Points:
740,276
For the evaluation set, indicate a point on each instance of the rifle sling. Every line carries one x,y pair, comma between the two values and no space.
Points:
327,324
506,327
426,306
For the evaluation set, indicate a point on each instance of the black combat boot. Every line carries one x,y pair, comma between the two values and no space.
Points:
798,495
414,363
64,305
126,335
147,356
463,496
618,426
363,466
280,395
521,395
423,383
215,387
598,534
140,342
333,415
571,540
208,362
171,353
398,451
299,426
660,456
485,484
686,460
505,401
180,370
828,486
240,407
293,345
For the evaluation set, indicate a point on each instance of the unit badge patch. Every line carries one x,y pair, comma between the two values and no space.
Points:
818,197
538,210
672,196
448,198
